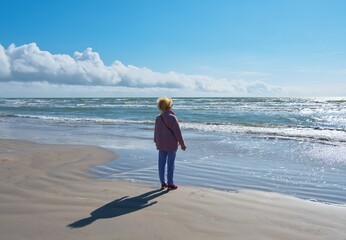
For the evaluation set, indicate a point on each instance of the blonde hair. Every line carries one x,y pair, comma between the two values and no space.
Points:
164,103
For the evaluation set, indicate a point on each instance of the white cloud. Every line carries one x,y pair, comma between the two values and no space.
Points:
29,64
4,64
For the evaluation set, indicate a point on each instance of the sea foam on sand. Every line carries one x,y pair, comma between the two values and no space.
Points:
46,192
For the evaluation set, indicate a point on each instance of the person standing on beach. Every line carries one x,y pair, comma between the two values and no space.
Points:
167,137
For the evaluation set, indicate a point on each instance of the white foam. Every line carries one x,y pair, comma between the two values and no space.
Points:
272,131
82,119
282,132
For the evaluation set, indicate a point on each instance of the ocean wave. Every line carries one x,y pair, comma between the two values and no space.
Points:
8,115
79,119
320,134
302,106
280,132
73,105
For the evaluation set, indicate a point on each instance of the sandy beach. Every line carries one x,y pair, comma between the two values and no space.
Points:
46,192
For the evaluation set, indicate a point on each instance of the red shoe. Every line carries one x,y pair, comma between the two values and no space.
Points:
164,185
172,187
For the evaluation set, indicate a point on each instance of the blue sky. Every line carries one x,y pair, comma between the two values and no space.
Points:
263,47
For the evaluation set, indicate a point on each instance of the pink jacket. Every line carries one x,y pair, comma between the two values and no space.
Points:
165,139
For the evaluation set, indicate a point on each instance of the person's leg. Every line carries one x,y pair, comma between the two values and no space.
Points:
170,167
162,165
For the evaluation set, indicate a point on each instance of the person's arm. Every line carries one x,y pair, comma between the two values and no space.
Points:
177,132
155,131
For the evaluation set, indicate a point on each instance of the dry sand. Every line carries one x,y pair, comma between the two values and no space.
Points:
46,192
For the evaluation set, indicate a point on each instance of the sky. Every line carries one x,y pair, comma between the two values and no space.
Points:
110,48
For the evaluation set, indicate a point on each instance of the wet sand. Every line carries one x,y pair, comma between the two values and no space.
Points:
46,192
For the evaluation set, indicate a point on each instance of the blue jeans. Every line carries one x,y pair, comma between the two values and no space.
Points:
169,157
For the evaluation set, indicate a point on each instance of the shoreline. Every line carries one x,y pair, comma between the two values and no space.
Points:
47,192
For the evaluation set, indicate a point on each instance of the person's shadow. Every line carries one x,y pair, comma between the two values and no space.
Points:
119,207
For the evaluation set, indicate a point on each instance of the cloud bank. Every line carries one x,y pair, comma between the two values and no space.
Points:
29,64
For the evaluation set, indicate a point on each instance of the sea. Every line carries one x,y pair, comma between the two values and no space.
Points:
293,146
